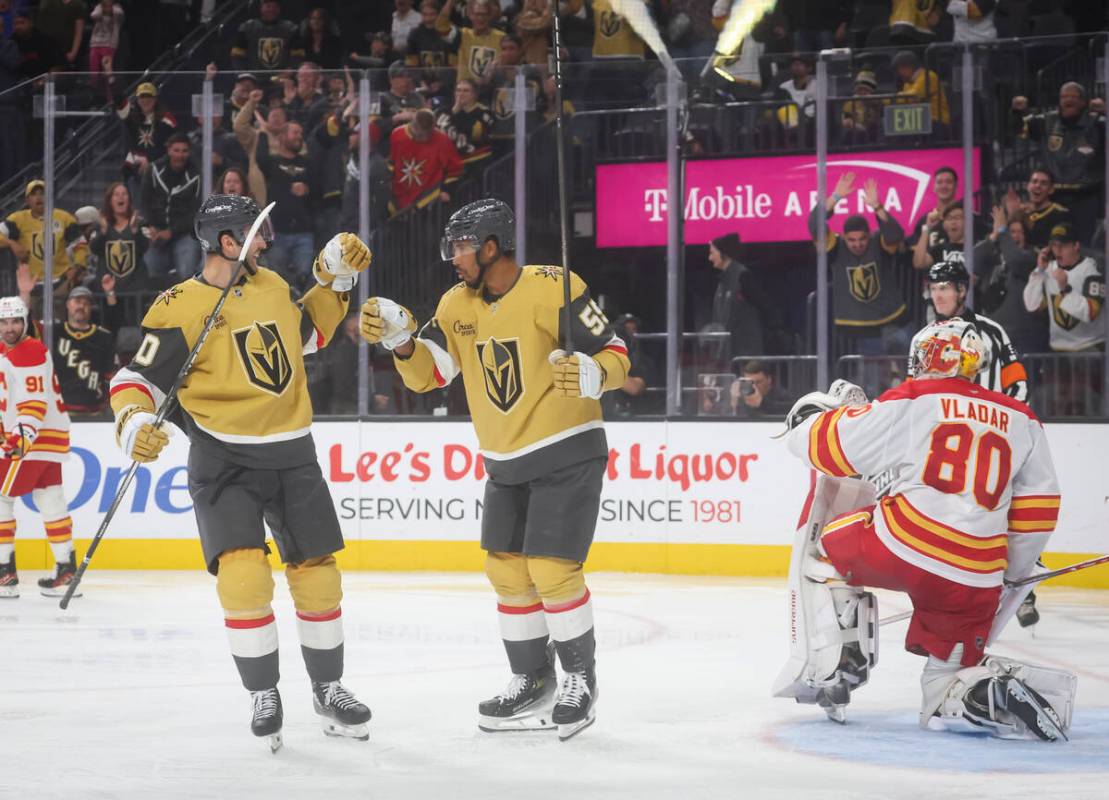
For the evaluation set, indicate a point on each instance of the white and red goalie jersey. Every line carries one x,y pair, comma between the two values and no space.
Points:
33,414
975,496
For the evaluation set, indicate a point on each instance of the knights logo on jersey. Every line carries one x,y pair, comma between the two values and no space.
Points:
430,59
610,23
263,356
121,257
500,365
481,59
504,102
37,246
1062,318
862,280
271,51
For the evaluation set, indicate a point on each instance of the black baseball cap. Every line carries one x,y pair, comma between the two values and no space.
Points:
1064,232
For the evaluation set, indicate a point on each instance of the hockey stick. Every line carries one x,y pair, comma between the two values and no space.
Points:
1043,576
168,403
560,147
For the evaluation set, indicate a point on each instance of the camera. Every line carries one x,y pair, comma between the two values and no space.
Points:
746,387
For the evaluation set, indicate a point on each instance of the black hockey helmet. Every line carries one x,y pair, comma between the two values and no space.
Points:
231,214
950,271
478,221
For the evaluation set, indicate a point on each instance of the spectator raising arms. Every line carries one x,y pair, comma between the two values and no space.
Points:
22,233
1041,213
147,126
477,46
1072,147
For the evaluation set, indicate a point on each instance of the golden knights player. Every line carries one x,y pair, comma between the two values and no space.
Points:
538,421
252,461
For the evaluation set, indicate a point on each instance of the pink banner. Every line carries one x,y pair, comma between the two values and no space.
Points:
762,199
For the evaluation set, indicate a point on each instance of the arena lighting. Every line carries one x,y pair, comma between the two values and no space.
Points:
743,17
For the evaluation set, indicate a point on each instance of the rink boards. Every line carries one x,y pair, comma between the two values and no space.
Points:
714,498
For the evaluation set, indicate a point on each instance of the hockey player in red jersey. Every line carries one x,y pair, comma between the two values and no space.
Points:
972,504
33,445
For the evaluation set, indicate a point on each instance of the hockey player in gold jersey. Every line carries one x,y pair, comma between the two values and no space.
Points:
247,414
537,415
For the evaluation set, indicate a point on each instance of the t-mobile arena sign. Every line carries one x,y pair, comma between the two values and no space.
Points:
762,199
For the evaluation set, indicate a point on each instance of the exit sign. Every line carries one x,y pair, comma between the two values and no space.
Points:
908,120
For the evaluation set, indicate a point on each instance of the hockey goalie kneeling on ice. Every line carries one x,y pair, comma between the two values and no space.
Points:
972,504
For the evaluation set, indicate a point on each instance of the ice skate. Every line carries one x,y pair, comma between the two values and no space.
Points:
524,705
340,712
9,579
267,716
64,572
576,707
1027,705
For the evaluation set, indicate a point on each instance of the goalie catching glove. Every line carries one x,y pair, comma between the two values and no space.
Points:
340,261
137,436
577,375
840,393
386,322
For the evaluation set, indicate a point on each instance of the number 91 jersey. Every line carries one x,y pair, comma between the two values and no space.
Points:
31,401
975,496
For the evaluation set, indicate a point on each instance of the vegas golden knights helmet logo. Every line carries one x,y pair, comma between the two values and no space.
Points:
271,49
500,365
38,249
263,356
121,257
862,279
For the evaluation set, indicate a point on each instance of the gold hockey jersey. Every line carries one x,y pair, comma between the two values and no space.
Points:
500,346
70,247
246,396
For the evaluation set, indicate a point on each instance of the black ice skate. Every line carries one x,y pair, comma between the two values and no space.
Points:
267,716
9,579
64,572
340,712
576,707
1027,615
524,705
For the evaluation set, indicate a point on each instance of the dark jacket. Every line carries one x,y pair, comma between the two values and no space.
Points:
741,307
1074,150
170,198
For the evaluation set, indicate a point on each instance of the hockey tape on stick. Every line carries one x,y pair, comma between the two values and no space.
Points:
167,405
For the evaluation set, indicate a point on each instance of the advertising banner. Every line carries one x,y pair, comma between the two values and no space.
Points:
719,483
762,199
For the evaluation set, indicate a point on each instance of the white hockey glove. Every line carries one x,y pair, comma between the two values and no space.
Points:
847,393
577,375
386,322
137,437
340,261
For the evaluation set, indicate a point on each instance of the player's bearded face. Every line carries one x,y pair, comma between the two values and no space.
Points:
11,330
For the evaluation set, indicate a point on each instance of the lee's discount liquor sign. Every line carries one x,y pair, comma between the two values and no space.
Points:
761,199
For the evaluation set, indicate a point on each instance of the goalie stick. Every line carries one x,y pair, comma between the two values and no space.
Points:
167,406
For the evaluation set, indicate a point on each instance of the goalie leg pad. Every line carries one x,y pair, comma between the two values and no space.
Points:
1011,699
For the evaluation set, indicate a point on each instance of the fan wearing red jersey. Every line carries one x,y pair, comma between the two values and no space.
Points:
33,445
973,501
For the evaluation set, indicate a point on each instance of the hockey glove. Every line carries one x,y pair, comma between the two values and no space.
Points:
18,442
576,375
386,322
137,436
340,261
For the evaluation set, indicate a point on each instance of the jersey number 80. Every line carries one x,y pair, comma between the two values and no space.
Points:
953,447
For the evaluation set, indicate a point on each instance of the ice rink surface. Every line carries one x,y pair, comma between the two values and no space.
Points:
132,693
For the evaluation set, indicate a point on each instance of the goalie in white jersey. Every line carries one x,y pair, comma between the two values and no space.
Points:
33,444
972,504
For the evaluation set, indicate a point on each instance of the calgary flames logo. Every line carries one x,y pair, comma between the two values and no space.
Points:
941,356
263,356
500,364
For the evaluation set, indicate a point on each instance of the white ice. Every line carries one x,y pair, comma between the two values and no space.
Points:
132,693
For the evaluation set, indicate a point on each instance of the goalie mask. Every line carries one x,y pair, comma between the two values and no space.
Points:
948,349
